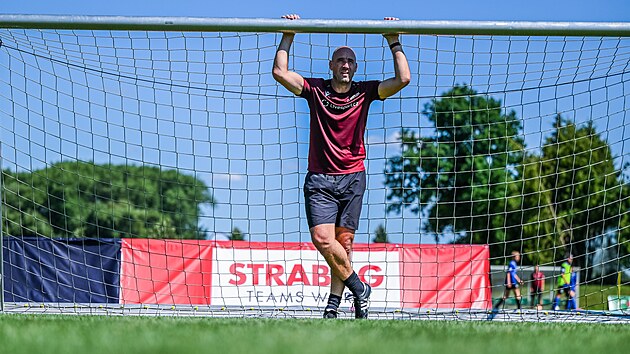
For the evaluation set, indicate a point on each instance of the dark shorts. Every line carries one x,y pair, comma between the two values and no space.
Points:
564,289
334,199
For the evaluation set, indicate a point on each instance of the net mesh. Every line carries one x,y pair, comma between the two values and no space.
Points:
517,143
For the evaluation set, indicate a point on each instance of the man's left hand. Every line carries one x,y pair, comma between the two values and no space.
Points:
391,37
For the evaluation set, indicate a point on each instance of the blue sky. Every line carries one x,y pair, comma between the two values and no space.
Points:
264,158
533,10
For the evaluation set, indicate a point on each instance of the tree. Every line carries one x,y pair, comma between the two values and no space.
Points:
380,235
462,177
586,195
83,199
236,235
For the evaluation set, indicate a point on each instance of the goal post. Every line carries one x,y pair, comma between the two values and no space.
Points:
152,165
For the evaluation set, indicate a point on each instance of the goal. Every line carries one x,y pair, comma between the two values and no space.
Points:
153,166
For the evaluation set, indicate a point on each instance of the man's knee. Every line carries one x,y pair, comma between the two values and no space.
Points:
322,236
345,237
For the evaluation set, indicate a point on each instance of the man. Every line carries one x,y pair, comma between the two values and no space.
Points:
571,303
335,183
512,282
564,283
537,287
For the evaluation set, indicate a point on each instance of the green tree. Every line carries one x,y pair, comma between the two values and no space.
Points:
538,222
461,178
582,194
236,235
380,235
83,199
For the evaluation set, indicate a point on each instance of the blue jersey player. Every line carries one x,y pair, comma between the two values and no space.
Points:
564,285
512,283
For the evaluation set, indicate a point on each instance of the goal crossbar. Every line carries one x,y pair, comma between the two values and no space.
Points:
520,28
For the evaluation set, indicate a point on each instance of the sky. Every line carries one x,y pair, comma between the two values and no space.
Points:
283,145
506,10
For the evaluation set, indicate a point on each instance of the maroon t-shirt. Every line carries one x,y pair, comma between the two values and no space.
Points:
337,125
537,280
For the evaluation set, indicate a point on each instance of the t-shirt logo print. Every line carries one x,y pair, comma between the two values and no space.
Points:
326,103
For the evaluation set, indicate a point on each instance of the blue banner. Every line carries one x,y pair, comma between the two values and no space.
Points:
77,270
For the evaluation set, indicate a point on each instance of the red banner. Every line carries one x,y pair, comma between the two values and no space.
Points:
165,272
445,276
225,273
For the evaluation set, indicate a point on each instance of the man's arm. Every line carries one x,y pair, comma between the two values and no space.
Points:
566,275
402,74
291,80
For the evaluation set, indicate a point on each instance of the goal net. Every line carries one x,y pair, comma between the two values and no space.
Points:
147,171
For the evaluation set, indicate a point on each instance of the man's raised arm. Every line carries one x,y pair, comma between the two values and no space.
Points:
291,80
402,74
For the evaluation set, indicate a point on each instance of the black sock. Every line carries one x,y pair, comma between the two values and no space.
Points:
518,303
333,302
354,284
499,303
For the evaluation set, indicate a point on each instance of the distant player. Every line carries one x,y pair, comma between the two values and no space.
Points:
512,283
536,288
571,303
336,181
564,283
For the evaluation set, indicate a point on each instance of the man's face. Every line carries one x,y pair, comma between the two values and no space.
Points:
343,65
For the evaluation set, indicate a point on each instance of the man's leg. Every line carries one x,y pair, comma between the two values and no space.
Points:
323,237
556,301
571,305
506,293
517,295
352,188
538,300
499,303
345,237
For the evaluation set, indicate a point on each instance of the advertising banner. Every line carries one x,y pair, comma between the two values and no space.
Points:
292,274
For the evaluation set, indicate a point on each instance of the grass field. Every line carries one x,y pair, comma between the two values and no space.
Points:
94,335
595,296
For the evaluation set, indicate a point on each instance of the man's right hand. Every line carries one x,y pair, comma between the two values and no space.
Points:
291,80
291,16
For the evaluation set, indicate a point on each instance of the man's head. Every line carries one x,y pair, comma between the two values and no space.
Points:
516,255
343,64
536,268
570,258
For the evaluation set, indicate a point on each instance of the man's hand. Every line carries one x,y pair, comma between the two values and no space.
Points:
291,16
290,33
402,75
391,37
291,80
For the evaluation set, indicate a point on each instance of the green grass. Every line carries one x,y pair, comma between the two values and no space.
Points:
112,335
595,296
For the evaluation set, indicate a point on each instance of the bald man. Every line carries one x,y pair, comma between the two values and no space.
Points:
335,183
